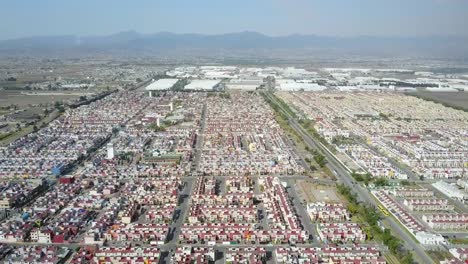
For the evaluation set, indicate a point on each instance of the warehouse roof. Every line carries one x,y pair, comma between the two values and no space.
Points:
202,85
161,84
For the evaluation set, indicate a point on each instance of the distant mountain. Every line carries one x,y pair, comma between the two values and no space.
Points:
131,42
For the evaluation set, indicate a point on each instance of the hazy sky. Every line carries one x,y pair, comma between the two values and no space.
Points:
19,18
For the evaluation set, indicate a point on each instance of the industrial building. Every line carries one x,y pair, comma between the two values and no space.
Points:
244,84
161,84
297,85
203,85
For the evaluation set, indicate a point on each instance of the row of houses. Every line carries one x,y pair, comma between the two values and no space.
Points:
340,232
328,212
407,220
241,137
137,255
198,255
428,205
52,149
376,164
15,194
37,254
425,136
17,228
232,217
254,255
280,212
406,192
453,221
329,254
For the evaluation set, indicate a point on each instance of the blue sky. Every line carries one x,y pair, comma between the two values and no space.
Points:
20,18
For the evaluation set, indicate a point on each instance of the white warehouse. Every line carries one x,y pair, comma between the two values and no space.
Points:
244,84
293,85
203,85
161,84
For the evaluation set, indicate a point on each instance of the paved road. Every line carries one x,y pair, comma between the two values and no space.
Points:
175,227
142,85
290,177
199,143
295,154
301,211
363,194
182,209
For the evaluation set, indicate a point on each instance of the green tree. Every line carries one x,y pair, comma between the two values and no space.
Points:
381,182
405,182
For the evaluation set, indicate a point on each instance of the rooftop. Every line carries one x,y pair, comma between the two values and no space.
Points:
161,84
202,84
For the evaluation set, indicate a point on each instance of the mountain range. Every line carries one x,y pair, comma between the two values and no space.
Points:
132,42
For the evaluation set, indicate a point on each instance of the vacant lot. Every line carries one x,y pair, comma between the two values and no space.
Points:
25,98
313,192
455,99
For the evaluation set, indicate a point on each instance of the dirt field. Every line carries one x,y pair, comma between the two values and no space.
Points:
23,99
317,193
457,99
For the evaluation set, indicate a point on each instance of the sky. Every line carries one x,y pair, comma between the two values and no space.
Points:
24,18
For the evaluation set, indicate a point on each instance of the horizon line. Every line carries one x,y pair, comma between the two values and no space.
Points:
233,32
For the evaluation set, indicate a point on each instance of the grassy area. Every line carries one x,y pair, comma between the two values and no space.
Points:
455,100
317,160
438,255
8,138
405,230
370,217
317,192
5,135
458,241
370,234
308,125
398,222
299,142
391,259
328,172
281,104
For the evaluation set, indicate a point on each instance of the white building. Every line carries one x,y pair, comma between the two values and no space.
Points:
5,203
161,84
291,72
429,239
110,151
441,89
450,190
244,84
297,85
203,85
41,237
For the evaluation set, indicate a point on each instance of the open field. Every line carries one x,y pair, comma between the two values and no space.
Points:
458,241
438,255
25,98
454,99
11,135
318,193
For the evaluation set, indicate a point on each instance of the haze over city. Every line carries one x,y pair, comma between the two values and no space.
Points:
209,132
